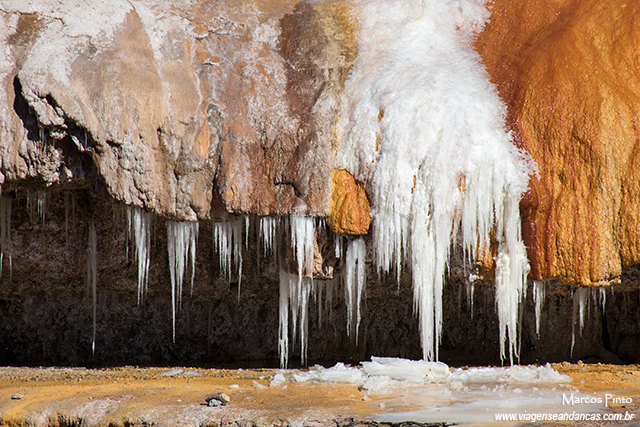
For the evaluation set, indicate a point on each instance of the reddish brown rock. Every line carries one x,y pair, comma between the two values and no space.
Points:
569,74
349,207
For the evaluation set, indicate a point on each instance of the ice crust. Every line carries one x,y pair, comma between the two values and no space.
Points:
385,372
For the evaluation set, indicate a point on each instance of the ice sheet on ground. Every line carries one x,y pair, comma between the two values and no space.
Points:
340,373
513,375
477,407
423,391
409,370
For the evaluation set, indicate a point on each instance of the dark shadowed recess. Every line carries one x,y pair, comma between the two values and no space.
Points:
46,307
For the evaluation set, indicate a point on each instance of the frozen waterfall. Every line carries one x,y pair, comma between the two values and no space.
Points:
423,128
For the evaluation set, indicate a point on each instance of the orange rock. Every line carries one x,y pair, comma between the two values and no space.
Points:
349,207
568,72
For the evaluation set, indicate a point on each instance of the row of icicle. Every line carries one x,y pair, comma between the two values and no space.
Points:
295,289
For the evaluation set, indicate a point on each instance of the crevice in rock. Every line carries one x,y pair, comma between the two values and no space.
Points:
24,112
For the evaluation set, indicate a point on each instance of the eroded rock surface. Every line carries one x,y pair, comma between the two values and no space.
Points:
569,74
168,106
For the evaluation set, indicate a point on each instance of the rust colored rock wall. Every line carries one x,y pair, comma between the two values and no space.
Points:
349,207
568,71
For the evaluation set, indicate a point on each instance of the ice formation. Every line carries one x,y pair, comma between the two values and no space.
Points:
396,372
268,233
538,300
5,230
182,238
37,204
406,370
92,276
227,241
355,276
69,211
582,298
139,222
295,290
424,129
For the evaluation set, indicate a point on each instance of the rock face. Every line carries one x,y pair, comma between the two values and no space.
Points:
569,74
349,206
176,108
249,112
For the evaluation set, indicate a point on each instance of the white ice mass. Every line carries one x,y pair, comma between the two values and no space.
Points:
424,129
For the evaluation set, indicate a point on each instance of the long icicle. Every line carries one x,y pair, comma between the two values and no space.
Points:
140,228
92,277
5,231
182,238
354,284
227,241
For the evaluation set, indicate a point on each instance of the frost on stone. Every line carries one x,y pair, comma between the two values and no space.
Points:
182,238
423,128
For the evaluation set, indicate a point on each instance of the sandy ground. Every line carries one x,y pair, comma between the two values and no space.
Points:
130,396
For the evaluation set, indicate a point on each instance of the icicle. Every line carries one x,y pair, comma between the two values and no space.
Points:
268,232
338,249
227,241
580,298
181,246
66,217
583,305
538,300
5,232
354,283
470,291
37,204
247,223
302,237
295,290
139,222
294,297
42,205
92,276
283,326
